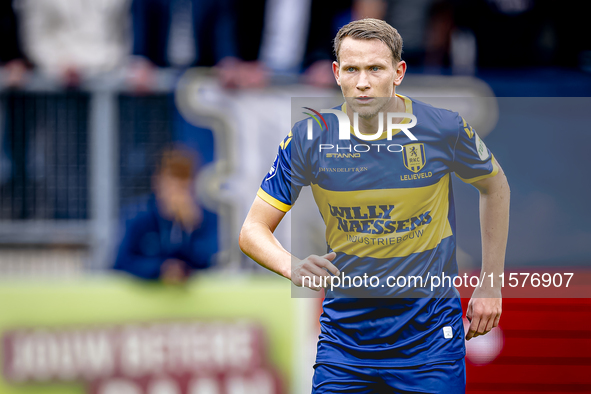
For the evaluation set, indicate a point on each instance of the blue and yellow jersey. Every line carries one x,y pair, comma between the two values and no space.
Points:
389,212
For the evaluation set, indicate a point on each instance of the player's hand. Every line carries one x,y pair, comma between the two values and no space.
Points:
174,272
185,211
16,71
484,312
71,76
141,75
320,74
316,268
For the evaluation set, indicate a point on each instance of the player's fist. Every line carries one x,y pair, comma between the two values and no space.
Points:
483,313
314,271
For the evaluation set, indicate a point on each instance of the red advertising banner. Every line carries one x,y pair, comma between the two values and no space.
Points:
155,358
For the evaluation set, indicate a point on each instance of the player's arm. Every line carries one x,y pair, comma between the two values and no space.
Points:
485,307
258,242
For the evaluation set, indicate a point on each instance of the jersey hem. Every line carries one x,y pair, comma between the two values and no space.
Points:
378,364
273,201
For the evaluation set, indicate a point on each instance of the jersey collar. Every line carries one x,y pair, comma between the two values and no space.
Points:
408,110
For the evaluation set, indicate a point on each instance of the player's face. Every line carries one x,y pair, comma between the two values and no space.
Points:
367,75
173,193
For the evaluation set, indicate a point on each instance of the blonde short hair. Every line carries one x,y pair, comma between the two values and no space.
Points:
369,29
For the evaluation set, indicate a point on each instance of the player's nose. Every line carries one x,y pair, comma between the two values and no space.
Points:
363,82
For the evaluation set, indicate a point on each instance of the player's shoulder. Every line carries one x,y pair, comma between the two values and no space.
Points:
442,119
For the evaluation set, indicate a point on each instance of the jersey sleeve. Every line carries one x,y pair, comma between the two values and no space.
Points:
472,161
282,184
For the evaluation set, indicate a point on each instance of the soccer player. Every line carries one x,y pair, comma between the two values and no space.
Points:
389,212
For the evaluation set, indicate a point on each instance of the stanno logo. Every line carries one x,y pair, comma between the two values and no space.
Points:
343,155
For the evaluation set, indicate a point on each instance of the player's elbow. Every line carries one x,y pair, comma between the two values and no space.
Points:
496,186
244,238
500,191
503,189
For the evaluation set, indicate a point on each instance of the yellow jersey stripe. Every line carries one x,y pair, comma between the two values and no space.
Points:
273,201
399,222
478,178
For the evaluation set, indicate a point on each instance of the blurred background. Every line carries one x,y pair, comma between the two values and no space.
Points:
134,135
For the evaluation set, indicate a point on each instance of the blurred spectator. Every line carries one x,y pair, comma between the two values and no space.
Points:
298,34
175,235
439,36
71,39
11,56
183,33
525,33
326,17
284,35
325,21
250,20
432,38
489,33
507,32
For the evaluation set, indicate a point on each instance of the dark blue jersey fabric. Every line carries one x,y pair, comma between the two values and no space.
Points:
389,213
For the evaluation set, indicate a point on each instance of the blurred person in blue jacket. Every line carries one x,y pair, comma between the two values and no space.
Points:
174,235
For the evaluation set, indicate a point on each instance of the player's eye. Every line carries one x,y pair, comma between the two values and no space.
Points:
374,68
350,69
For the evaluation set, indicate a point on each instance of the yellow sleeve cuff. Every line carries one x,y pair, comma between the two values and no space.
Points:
273,201
478,178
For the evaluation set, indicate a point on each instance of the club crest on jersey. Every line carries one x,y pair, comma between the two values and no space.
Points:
414,157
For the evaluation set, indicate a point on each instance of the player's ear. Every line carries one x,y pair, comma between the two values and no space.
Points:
400,71
336,72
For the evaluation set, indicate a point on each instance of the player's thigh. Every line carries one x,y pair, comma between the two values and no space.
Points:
333,378
447,377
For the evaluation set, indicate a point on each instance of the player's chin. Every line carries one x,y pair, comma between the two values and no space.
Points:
367,112
364,110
